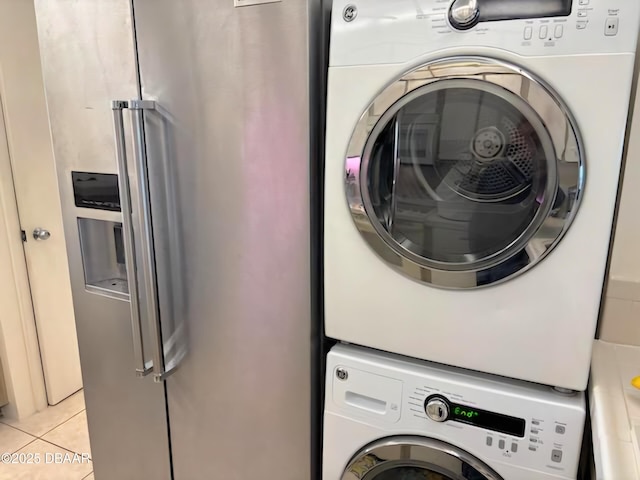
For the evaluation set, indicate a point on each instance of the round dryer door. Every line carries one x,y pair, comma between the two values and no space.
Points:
416,458
464,172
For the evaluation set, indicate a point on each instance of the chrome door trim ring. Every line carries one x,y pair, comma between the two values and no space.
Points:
547,229
408,450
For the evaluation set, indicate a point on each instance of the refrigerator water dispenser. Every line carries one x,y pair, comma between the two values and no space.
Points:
103,256
101,242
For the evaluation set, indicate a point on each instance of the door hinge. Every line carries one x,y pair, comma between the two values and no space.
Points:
23,234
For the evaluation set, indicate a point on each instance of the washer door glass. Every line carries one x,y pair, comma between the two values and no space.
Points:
416,458
425,473
460,174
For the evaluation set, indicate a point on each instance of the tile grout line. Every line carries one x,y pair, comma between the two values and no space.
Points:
60,424
60,446
20,430
48,431
25,446
65,448
3,420
52,443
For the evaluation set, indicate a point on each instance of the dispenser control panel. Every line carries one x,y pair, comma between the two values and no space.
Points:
96,190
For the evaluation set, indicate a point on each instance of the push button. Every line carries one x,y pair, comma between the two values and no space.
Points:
556,456
559,30
544,30
611,26
514,447
583,2
560,429
528,33
582,13
489,441
501,444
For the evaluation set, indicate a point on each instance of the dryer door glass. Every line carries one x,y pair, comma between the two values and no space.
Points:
460,175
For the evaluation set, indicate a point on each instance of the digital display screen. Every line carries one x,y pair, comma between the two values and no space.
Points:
489,420
492,10
96,190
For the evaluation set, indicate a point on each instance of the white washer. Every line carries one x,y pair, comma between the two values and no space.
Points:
456,160
389,418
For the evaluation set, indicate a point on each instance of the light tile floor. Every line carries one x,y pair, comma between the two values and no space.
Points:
51,438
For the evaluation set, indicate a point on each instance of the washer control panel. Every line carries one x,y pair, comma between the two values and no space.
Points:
379,31
496,419
510,421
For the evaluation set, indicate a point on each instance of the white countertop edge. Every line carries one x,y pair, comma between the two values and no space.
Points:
615,431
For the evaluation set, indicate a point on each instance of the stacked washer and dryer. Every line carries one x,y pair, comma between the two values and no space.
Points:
473,153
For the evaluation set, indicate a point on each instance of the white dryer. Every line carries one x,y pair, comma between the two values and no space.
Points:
467,142
388,418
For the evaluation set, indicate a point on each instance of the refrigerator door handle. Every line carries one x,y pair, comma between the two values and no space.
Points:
161,369
142,369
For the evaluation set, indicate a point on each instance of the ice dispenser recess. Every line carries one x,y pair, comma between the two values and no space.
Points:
103,256
101,241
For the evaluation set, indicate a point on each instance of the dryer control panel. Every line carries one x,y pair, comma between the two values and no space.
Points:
465,14
367,32
496,419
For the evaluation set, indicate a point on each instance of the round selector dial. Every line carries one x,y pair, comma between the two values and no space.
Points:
437,409
464,14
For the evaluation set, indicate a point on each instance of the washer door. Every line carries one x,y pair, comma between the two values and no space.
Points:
464,172
416,458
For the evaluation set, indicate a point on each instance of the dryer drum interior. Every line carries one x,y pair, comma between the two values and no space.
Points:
475,169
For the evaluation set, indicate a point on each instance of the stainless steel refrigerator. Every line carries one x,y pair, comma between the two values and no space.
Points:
191,269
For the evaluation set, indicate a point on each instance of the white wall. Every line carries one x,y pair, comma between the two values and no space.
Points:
620,320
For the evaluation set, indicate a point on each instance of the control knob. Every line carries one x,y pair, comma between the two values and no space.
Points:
437,409
464,14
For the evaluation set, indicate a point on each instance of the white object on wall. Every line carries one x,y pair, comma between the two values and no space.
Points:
615,411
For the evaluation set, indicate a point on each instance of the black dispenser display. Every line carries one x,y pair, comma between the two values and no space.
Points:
96,190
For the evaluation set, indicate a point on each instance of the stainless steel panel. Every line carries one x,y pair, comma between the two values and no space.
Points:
233,84
88,60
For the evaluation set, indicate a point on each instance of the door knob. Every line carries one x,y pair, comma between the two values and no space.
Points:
41,234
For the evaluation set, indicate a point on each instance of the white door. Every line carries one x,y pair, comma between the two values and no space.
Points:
28,137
